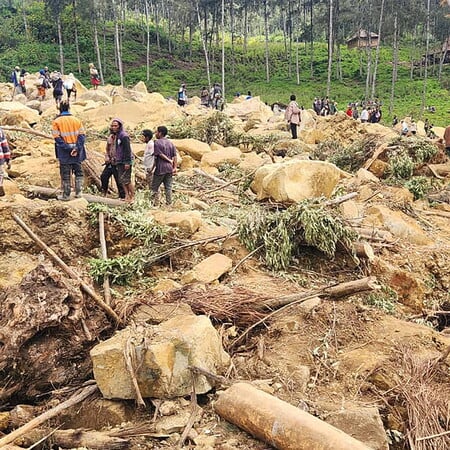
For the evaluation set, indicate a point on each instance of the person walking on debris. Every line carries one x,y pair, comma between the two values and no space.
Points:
69,86
165,165
95,77
42,85
149,157
110,164
23,88
124,158
15,79
69,135
204,96
58,88
5,158
182,95
293,116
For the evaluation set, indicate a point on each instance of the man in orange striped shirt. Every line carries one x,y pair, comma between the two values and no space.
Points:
69,135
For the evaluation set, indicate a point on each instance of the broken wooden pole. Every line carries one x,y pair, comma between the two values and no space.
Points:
32,424
278,423
104,251
336,291
52,193
94,440
70,272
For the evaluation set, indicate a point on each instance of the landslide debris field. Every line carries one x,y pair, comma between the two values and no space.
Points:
315,271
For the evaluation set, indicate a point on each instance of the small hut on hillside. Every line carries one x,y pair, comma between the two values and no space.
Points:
439,53
362,39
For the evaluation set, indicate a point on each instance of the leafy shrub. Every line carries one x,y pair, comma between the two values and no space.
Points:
216,127
418,186
281,234
401,166
385,299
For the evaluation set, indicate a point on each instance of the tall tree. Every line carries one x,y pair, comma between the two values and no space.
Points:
266,39
377,54
330,46
427,51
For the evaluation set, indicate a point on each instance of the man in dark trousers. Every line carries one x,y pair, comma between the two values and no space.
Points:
69,135
110,169
165,165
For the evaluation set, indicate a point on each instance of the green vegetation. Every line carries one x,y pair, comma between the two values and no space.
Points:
175,59
385,299
140,227
280,235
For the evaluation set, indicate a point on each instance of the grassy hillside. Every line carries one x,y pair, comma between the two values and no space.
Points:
248,71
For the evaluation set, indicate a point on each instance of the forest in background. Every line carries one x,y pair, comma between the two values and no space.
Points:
272,48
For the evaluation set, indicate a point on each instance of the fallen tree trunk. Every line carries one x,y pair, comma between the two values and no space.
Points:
364,250
90,439
337,291
278,423
84,286
75,399
215,179
52,193
27,130
440,170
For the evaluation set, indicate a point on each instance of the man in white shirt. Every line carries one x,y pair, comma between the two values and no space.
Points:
364,115
149,156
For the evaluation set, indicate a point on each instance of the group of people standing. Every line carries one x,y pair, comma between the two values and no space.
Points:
160,158
370,112
324,106
210,98
160,162
55,80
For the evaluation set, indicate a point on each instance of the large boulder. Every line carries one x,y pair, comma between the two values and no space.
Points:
251,161
192,147
164,352
209,270
95,95
398,223
296,180
150,111
226,155
187,221
16,113
252,108
363,424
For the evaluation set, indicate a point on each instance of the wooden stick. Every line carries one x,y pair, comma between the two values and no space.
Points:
53,412
215,378
104,251
212,178
228,184
27,130
433,436
70,272
433,171
341,199
245,258
52,193
380,150
94,440
336,291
